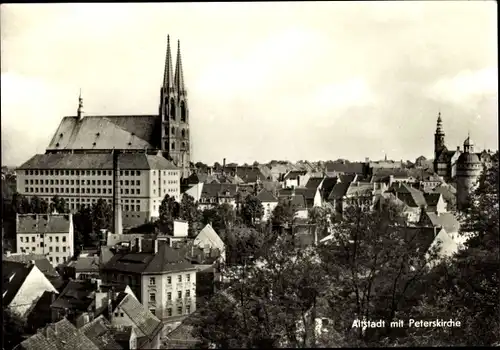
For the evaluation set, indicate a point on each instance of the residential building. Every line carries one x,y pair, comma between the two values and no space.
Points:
215,194
296,178
435,203
50,235
269,202
208,238
161,278
83,178
84,267
22,285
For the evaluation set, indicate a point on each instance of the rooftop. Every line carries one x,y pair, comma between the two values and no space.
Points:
33,223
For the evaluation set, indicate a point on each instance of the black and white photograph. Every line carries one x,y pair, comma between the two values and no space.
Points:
205,175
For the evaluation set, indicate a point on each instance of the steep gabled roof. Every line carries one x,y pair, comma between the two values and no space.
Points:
444,220
126,132
100,333
77,295
208,234
432,199
145,323
40,260
266,197
215,190
339,190
314,182
13,277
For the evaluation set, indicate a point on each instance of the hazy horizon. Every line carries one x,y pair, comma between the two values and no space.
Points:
283,81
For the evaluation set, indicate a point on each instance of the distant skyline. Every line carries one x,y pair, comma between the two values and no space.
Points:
284,81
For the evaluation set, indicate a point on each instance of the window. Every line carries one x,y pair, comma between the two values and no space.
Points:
64,249
188,293
33,239
50,239
179,310
179,294
57,249
169,280
169,296
188,309
33,248
109,183
138,191
98,182
50,249
188,278
57,239
173,145
169,312
179,278
138,208
57,259
152,297
152,281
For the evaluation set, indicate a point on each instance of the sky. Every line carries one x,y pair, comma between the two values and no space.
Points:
274,80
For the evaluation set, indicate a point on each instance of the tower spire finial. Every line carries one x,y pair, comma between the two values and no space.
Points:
179,74
80,105
168,77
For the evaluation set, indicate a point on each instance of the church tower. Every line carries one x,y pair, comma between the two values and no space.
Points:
468,170
439,145
174,113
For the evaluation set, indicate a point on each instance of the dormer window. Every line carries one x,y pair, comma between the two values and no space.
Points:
60,135
57,144
93,143
97,134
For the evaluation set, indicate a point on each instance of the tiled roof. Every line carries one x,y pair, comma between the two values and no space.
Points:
76,296
59,336
146,324
327,186
265,196
167,259
349,168
444,220
432,199
347,177
39,315
298,201
314,182
208,235
85,263
53,223
359,189
271,186
40,260
294,174
218,190
339,190
100,333
127,161
14,274
107,132
420,238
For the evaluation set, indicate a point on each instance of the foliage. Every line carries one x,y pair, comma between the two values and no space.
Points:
256,163
59,205
251,210
169,211
262,309
465,288
243,242
321,218
89,220
13,329
283,213
373,264
189,211
222,217
102,216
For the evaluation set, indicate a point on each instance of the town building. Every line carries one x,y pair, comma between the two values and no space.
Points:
469,168
50,235
22,285
159,276
208,238
269,202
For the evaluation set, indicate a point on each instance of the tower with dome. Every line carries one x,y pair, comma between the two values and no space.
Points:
468,169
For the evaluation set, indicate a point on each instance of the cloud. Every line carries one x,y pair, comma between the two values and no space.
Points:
466,86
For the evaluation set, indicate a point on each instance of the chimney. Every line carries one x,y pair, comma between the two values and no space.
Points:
224,166
117,206
138,245
155,245
110,304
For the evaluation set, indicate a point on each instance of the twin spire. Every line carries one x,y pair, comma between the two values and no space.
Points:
173,82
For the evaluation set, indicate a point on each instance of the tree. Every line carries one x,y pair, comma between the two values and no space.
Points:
35,204
243,242
373,265
465,287
168,212
221,218
44,207
283,213
263,308
256,163
189,211
13,328
252,210
320,217
84,226
102,216
59,205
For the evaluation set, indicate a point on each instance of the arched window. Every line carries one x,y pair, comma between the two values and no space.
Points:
173,145
172,109
183,133
173,131
183,112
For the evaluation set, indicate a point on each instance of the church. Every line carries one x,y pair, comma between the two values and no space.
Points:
154,154
463,167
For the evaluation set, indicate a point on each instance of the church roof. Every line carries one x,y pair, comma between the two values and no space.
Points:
103,161
126,132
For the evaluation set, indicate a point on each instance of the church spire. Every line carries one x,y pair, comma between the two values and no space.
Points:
179,74
79,112
439,126
168,77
